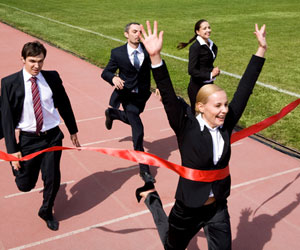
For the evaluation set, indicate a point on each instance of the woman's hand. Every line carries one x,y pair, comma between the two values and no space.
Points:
152,42
261,38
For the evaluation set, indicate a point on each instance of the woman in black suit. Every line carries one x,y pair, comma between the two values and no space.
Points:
202,54
204,144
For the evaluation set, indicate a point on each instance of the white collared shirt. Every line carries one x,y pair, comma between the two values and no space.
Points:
140,54
217,139
51,117
211,43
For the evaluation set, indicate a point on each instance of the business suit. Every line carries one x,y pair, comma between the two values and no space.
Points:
200,66
189,214
12,103
133,103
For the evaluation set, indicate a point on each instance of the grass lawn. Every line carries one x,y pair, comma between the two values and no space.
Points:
87,28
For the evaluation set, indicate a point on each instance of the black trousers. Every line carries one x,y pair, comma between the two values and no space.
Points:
193,89
48,163
184,223
131,116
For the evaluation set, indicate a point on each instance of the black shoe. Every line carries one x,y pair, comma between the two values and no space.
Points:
146,187
108,121
51,223
147,177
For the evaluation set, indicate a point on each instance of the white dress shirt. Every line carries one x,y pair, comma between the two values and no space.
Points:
140,55
51,117
217,139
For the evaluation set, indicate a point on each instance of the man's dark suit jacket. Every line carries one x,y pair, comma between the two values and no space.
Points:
119,61
200,62
195,146
13,93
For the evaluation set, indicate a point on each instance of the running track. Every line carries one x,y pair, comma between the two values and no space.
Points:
96,206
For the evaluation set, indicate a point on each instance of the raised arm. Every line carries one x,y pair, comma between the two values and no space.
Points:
173,106
249,78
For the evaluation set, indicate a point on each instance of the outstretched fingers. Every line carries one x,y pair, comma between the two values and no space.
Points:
143,33
149,28
261,35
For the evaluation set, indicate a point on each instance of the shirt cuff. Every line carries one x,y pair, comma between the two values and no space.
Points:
157,65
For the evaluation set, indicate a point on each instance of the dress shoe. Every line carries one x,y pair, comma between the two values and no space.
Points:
51,223
147,177
146,187
108,120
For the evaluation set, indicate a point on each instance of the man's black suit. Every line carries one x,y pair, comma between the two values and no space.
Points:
200,67
133,103
13,94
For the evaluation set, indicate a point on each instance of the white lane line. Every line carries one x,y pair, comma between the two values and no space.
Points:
137,214
102,141
101,117
165,54
154,108
264,178
80,230
125,169
165,129
88,119
236,144
33,191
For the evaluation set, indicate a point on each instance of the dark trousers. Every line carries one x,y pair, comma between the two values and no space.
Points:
48,163
184,223
131,116
193,89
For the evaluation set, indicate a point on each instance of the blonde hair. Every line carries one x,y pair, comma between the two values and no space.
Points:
204,92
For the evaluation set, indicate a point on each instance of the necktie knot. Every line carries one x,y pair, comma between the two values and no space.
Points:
33,79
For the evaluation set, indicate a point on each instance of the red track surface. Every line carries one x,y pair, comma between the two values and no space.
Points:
96,206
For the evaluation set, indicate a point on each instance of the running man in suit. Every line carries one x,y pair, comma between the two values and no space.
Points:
132,88
32,100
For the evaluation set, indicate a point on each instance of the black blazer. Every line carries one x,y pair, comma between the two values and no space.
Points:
201,62
132,77
13,93
195,146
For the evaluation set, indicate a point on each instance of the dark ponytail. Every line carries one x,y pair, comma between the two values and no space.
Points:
197,27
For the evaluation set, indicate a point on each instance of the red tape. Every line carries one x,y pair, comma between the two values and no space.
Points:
265,123
153,160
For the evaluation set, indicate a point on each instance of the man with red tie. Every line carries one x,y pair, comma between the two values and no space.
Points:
31,102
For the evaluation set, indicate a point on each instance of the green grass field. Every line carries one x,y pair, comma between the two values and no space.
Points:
86,28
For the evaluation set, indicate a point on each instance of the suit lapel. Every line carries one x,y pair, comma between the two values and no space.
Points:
126,57
20,88
49,80
226,139
207,136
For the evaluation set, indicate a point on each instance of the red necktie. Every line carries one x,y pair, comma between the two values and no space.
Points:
36,104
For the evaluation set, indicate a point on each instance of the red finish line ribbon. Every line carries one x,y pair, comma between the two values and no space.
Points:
139,157
150,159
265,123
